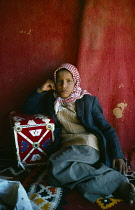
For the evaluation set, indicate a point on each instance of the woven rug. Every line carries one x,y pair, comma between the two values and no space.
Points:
49,198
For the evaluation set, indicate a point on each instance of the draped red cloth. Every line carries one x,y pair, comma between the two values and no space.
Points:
98,36
107,55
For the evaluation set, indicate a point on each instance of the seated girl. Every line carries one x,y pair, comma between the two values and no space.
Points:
86,154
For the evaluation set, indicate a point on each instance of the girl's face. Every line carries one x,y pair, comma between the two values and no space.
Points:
64,83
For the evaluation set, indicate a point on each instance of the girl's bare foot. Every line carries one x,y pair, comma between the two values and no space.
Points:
127,192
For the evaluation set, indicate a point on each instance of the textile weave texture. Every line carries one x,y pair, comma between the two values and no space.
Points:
33,179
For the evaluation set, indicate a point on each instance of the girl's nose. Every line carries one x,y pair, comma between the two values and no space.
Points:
64,84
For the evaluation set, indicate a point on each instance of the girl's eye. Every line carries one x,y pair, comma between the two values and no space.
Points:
69,81
59,81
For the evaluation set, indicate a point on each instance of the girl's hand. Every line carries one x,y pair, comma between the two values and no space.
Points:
120,165
48,85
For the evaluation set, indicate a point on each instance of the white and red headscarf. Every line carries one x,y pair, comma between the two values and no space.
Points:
77,91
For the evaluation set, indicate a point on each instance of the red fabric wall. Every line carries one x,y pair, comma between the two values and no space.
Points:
96,35
35,37
107,55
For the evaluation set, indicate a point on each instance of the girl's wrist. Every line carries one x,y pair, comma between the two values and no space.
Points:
39,90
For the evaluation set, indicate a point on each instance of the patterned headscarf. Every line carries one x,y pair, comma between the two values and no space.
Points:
76,93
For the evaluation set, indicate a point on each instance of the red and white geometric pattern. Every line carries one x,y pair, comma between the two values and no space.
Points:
32,135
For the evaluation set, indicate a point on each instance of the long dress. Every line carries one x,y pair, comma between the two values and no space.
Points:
77,165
